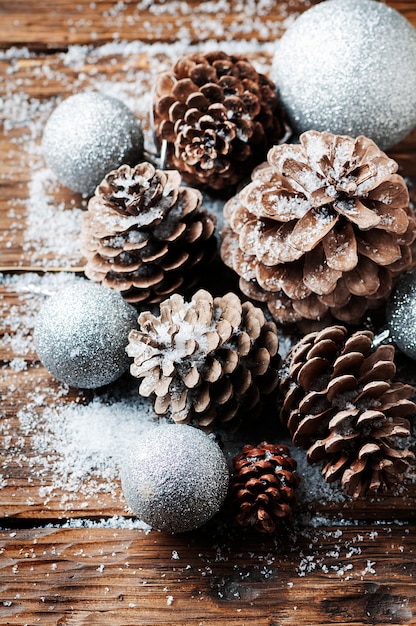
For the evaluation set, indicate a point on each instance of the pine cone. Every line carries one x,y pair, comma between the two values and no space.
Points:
324,226
207,362
218,116
263,484
341,404
146,236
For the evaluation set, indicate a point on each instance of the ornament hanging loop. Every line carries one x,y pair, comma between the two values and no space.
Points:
158,159
382,338
163,154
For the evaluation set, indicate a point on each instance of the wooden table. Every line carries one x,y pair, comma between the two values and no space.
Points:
70,552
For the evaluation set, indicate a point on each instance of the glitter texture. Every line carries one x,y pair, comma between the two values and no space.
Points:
401,314
349,67
81,334
88,135
176,478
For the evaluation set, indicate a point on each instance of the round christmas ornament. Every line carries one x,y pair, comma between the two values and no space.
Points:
145,235
349,67
175,478
88,135
401,314
342,404
324,229
81,334
209,362
218,116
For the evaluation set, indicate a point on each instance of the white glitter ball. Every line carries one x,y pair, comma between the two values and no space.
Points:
88,135
81,334
349,67
176,478
401,314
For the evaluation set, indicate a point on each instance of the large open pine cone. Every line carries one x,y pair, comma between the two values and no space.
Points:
341,404
263,486
325,225
207,362
145,235
218,115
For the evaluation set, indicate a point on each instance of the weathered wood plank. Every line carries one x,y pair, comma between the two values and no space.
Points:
357,575
326,567
30,195
99,22
29,191
38,482
49,436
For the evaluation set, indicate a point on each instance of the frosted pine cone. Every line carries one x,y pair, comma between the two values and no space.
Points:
207,362
145,235
324,226
341,404
218,116
263,486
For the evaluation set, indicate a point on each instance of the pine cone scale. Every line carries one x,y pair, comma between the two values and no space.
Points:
340,249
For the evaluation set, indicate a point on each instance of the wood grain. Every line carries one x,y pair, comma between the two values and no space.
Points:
100,576
55,77
80,558
35,491
98,22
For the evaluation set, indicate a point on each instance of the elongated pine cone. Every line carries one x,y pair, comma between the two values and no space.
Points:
145,235
218,115
263,486
208,362
324,226
341,404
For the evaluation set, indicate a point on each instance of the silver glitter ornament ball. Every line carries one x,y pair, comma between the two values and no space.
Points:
401,314
81,334
175,478
349,67
88,135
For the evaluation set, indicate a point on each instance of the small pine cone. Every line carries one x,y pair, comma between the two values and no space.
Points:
146,236
341,404
324,229
218,116
207,362
263,486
